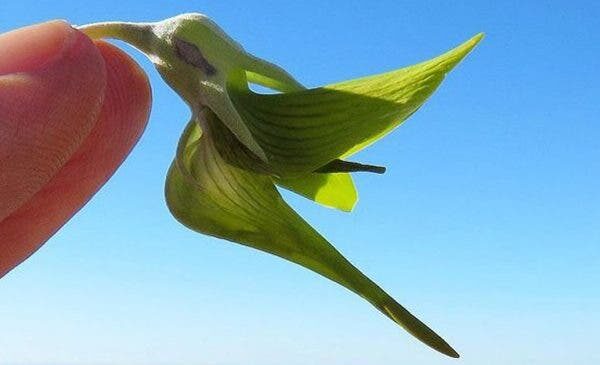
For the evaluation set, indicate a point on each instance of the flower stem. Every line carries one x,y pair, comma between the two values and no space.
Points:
139,35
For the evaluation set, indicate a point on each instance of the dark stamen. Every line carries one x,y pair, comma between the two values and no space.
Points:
349,166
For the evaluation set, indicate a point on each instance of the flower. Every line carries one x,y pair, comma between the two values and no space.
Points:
236,149
71,109
239,145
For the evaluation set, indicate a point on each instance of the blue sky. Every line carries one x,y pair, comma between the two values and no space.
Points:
485,225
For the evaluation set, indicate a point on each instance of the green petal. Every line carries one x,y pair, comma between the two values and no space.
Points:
334,190
331,185
264,73
303,130
216,99
211,196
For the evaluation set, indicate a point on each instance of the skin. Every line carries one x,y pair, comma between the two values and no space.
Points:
71,110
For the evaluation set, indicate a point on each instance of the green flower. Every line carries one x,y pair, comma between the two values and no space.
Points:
240,145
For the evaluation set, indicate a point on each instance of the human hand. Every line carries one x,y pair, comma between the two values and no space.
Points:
71,109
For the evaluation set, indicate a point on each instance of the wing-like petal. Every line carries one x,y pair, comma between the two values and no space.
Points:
334,190
212,196
303,130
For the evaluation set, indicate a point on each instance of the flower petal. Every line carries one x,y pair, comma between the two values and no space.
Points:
334,190
119,126
267,74
52,81
211,196
197,59
302,131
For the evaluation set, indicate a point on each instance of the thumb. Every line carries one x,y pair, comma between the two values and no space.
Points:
52,86
70,112
52,81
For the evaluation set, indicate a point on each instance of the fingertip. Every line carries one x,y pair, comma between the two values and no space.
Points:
31,47
128,86
52,84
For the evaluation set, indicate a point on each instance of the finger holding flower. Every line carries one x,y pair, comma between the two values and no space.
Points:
72,109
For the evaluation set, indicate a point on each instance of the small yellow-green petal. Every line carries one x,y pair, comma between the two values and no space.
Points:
334,190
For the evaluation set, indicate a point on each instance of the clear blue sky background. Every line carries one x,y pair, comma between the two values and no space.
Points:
485,225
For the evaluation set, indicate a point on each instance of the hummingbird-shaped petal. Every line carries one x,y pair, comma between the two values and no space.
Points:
239,145
211,196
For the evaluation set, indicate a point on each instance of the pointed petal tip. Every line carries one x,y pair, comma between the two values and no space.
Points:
453,57
468,46
476,38
261,154
251,144
417,328
473,41
454,354
444,348
447,350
